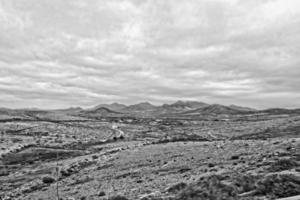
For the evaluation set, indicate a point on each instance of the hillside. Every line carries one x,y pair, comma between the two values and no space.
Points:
144,106
154,158
179,109
215,109
113,106
101,112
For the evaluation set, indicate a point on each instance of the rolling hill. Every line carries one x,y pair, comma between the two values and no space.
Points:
216,109
144,109
113,106
144,106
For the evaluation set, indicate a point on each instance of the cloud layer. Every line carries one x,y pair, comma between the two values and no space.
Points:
80,53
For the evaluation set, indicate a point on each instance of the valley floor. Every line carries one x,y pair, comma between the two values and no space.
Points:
156,159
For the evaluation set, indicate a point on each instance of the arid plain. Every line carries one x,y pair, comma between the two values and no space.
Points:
179,151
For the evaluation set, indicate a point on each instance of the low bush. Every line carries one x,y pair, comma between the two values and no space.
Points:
208,188
118,197
283,164
279,185
48,179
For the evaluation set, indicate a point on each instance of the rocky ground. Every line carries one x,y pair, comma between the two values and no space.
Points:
150,159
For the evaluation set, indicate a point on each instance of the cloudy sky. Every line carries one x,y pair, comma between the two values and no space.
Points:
61,53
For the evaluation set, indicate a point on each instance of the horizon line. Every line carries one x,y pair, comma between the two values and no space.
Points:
140,102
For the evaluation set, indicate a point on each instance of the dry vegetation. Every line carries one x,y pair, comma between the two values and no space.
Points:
241,157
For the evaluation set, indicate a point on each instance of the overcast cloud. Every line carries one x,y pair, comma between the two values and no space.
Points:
61,53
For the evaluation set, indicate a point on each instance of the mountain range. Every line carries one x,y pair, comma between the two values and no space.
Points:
143,109
185,108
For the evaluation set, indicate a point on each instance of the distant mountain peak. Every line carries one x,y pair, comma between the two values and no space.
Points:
143,106
116,104
102,110
190,104
241,108
216,109
113,106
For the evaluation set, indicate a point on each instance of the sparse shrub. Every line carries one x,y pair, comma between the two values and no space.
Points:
183,170
211,165
279,185
16,140
153,196
48,179
101,194
289,148
235,157
4,172
177,187
208,188
66,172
30,162
245,182
283,164
118,197
58,141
